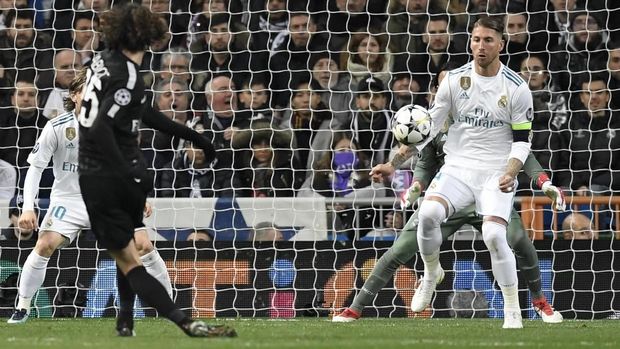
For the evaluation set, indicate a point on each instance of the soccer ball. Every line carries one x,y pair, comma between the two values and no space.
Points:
411,124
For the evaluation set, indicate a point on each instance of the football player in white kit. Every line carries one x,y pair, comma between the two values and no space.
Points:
67,215
487,144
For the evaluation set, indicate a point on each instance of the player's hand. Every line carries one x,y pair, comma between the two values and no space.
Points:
28,221
229,133
148,209
381,170
507,183
555,194
205,144
411,195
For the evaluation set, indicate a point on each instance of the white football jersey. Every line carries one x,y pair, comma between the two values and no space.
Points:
484,110
59,142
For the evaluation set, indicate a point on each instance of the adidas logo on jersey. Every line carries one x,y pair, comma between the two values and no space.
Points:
70,146
464,95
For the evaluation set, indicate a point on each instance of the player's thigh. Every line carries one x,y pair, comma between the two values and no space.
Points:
515,231
67,218
449,186
110,203
491,201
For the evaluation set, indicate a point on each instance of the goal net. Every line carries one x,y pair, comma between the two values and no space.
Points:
298,98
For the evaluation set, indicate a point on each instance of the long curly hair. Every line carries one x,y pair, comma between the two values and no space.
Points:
131,27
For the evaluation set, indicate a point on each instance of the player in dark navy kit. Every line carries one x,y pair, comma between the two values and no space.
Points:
113,175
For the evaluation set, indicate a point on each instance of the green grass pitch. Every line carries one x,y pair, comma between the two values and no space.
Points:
315,333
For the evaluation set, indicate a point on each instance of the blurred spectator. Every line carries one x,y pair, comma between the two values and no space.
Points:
8,180
176,15
371,121
94,5
205,9
265,160
66,65
220,122
392,225
310,120
406,23
173,63
22,48
343,172
438,51
152,60
13,232
340,18
199,235
190,177
334,86
254,100
85,38
558,21
613,65
20,127
266,231
222,52
172,98
5,6
584,52
368,54
268,19
578,226
517,44
550,114
405,91
291,54
592,138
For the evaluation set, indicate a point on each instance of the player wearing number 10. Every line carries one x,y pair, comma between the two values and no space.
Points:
67,214
113,178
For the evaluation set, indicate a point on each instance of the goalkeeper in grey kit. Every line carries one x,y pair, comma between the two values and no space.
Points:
113,177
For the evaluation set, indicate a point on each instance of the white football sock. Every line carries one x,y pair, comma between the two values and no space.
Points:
31,279
503,262
432,213
156,266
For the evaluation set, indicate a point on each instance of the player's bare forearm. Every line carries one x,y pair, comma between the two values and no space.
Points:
514,166
404,153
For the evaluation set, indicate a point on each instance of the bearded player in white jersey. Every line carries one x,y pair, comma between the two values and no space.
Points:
66,216
487,144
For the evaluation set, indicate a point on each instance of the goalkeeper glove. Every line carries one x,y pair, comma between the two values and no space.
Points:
411,195
555,194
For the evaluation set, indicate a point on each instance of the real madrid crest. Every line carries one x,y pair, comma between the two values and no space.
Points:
465,82
503,101
70,133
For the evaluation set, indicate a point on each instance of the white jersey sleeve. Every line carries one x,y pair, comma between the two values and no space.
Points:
39,158
439,111
522,108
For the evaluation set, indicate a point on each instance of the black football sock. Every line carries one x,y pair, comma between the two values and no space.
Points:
152,291
126,297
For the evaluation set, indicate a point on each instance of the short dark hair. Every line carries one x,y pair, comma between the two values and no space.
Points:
88,15
588,78
21,13
495,22
131,27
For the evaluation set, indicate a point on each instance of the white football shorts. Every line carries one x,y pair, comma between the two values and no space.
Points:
462,187
66,217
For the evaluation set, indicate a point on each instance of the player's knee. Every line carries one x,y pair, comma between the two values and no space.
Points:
143,244
431,214
46,245
493,234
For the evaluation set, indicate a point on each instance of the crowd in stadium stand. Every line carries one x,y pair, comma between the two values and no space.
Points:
298,95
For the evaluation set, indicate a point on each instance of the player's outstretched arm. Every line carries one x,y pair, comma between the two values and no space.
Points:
385,170
155,119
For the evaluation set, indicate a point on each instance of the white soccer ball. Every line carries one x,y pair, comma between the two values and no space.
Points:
411,124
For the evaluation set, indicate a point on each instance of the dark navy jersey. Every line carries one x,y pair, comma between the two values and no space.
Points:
112,106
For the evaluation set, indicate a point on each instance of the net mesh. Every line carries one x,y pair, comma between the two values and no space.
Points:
292,228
